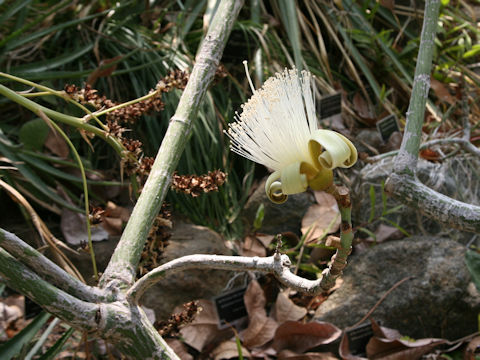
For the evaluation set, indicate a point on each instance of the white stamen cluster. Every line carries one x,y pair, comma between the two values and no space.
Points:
276,123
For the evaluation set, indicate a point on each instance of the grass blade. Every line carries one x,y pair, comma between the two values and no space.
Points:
12,9
288,12
372,204
13,346
42,339
58,346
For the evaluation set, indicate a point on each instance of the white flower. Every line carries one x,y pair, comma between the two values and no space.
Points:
279,129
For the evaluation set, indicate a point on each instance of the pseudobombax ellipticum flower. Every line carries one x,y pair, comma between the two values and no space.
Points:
278,128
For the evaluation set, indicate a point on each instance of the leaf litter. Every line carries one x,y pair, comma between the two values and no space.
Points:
284,330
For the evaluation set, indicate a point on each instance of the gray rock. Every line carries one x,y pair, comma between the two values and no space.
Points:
440,301
368,138
179,288
278,218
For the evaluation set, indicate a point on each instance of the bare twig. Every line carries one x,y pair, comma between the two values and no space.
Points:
278,264
464,143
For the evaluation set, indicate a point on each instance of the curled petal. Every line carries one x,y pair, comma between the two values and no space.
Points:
353,153
273,188
330,149
293,181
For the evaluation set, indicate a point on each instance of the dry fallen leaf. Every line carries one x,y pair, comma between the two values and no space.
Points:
265,352
228,350
74,229
344,349
429,154
389,4
260,330
291,355
11,309
321,218
363,109
401,349
324,198
472,349
441,91
265,239
384,332
204,329
179,348
300,337
286,310
116,211
103,70
253,247
254,299
387,344
114,218
385,232
114,226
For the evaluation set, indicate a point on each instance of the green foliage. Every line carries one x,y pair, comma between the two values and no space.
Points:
53,351
259,215
33,134
382,216
472,259
363,47
13,346
140,58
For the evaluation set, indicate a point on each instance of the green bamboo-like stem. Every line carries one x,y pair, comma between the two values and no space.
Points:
121,269
49,91
38,94
79,314
406,161
48,270
58,116
403,184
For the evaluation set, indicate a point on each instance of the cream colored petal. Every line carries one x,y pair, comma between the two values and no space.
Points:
353,153
290,180
330,149
293,181
273,188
